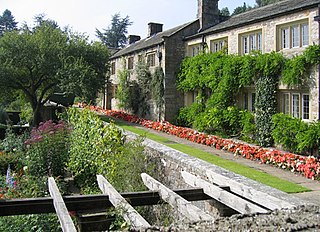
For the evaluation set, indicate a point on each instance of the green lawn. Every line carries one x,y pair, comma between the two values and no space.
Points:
248,172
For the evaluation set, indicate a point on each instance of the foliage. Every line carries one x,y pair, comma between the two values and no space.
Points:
142,86
224,11
47,152
269,66
29,187
308,166
266,2
218,77
115,35
297,70
123,91
241,9
100,148
7,22
157,89
295,135
44,59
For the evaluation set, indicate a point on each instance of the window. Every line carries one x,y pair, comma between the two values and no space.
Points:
151,59
305,34
294,36
113,68
305,106
286,103
140,58
218,45
114,89
130,63
251,42
295,105
194,50
253,102
246,100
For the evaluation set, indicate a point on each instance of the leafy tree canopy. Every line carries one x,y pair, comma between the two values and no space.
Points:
43,60
115,35
266,2
7,22
224,11
241,9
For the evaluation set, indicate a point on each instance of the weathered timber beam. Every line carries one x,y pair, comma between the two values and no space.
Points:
263,198
96,203
129,213
237,203
183,206
60,207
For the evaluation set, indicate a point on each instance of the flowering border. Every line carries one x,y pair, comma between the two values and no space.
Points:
309,166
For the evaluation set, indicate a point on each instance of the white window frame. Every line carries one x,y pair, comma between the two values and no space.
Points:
305,34
305,108
285,42
218,44
251,42
295,35
295,105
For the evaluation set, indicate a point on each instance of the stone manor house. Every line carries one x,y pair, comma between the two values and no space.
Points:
288,26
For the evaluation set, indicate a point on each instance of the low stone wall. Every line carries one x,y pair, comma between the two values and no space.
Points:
170,163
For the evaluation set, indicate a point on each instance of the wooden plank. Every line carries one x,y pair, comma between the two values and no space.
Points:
60,207
129,213
183,206
95,203
237,203
263,198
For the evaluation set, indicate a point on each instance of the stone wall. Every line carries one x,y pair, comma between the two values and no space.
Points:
170,162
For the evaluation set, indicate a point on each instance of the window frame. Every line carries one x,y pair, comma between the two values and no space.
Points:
217,45
113,68
293,35
305,109
251,41
130,63
151,59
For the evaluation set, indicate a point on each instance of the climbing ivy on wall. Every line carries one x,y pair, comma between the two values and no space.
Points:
157,89
136,95
224,75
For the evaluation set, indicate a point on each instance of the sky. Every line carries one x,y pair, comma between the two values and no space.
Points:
86,15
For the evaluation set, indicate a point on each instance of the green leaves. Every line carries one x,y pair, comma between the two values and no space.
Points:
100,148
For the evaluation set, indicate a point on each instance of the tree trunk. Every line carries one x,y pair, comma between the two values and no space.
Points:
37,117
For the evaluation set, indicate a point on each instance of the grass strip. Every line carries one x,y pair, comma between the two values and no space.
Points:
261,177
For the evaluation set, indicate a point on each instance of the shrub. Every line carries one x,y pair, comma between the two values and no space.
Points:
47,152
99,148
286,130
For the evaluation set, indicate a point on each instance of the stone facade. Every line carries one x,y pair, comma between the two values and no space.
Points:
269,29
168,51
263,24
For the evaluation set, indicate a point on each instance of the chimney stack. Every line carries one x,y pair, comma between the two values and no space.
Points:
133,38
208,13
154,28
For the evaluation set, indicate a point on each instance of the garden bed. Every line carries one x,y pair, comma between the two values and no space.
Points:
309,166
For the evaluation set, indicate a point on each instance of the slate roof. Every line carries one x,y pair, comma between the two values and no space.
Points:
260,14
150,41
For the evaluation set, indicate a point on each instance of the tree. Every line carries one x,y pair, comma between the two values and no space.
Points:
45,60
7,22
224,11
115,35
266,2
241,9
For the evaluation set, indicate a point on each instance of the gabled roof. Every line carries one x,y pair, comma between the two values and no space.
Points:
260,14
150,41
